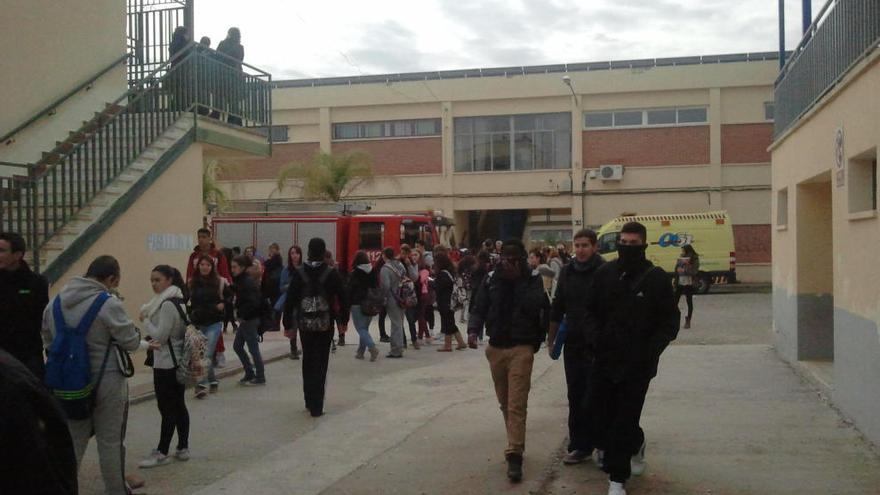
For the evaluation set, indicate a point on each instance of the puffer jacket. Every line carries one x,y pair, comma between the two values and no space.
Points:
573,291
515,312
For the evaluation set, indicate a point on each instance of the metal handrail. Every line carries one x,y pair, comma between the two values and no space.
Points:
55,104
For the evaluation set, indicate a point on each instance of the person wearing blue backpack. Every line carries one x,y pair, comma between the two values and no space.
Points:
83,329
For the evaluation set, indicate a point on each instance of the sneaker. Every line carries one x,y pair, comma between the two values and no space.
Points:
294,354
575,457
253,382
374,353
393,356
182,455
514,467
214,386
359,355
637,462
246,380
332,346
201,391
156,459
221,360
341,341
615,488
385,339
599,458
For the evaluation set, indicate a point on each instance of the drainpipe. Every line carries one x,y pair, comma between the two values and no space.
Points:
808,15
782,33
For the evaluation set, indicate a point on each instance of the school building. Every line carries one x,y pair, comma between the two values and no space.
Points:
539,151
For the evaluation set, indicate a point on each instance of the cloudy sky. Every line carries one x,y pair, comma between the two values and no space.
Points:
298,39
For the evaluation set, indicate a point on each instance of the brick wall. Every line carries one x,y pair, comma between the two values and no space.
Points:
645,147
752,243
267,168
399,156
746,143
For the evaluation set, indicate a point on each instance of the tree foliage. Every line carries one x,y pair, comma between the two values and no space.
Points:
328,176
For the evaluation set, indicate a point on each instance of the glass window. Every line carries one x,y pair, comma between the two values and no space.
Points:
402,128
692,115
372,129
482,152
628,118
608,242
370,235
769,110
464,153
427,127
501,151
660,117
491,124
554,121
345,131
463,125
603,119
562,149
525,122
524,147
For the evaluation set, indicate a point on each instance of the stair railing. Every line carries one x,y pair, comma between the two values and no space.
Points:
201,80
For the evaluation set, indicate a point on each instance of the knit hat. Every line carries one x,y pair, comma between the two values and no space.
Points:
317,248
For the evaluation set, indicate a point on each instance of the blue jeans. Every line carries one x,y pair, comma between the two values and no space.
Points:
212,333
362,325
247,334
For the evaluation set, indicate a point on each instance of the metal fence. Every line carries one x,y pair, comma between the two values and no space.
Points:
842,34
39,200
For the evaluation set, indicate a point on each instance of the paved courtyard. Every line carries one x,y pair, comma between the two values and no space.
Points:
724,416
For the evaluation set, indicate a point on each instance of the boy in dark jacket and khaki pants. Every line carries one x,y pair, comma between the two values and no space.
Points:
512,304
632,313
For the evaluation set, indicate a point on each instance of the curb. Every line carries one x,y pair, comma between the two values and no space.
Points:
220,373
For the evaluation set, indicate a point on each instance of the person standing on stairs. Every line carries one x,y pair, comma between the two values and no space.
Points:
233,50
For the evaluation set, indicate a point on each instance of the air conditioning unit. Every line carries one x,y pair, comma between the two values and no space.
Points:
611,172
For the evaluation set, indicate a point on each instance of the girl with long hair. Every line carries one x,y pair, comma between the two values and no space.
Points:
207,313
362,279
686,270
165,327
444,276
294,260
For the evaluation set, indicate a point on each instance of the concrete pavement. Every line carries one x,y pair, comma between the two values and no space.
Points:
724,416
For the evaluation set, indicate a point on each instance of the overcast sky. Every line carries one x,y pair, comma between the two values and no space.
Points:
299,39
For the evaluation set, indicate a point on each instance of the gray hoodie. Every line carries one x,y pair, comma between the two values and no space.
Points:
112,322
389,277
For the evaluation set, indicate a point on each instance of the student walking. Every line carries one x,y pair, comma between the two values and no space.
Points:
312,289
444,276
163,319
512,305
294,261
111,328
362,280
572,293
247,311
206,247
634,317
206,311
426,295
390,276
23,297
686,269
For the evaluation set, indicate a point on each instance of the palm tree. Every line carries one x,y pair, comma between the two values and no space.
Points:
329,176
212,193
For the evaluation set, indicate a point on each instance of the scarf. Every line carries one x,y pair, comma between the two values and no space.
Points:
149,309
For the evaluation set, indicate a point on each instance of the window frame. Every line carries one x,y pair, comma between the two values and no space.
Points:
388,129
645,112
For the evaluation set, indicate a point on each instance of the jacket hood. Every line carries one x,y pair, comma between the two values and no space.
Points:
78,290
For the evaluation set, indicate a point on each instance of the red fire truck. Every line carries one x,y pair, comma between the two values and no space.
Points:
344,234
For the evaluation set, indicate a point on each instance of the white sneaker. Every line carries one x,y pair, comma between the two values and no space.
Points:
615,488
156,459
182,454
637,463
599,458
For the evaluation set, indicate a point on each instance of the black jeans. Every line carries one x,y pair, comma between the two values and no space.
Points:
315,358
578,372
688,291
170,398
382,333
616,409
412,317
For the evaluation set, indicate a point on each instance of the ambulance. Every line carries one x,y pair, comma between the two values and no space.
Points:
711,235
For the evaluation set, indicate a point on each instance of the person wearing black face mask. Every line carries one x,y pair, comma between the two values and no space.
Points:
634,317
512,304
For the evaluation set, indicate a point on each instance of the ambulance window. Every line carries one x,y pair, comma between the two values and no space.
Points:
608,242
370,235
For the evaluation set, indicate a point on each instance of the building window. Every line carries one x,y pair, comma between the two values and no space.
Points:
387,129
782,207
646,117
769,110
278,134
513,142
862,182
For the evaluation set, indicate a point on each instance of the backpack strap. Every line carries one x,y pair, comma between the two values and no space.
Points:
92,313
177,305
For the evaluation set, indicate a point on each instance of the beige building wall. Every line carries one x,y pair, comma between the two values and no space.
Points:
51,47
167,207
826,305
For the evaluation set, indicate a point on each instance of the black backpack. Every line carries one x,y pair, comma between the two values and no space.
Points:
314,308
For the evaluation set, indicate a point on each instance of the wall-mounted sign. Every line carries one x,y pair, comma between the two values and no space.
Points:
839,159
170,242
